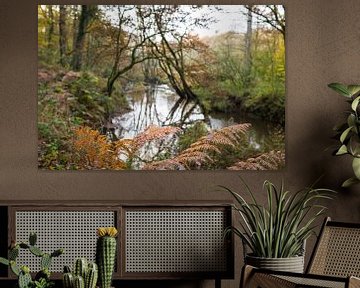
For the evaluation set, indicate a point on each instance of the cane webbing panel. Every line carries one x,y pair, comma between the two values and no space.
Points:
175,241
313,282
74,231
338,252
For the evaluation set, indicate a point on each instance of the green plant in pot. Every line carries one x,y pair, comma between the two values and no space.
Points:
349,132
275,233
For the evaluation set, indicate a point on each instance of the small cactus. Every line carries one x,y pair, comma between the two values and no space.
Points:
23,273
79,282
68,280
43,274
36,251
57,252
91,276
24,280
67,269
106,254
13,253
88,273
14,268
45,261
32,239
80,268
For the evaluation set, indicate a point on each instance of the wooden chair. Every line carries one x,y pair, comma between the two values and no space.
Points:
335,262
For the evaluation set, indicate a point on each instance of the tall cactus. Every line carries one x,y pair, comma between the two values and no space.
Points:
106,254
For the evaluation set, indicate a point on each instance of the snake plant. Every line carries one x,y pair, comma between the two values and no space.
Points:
279,228
349,132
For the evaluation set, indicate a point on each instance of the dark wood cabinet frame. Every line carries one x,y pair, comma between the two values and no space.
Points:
9,209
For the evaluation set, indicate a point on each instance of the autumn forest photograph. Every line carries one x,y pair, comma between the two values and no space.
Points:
161,87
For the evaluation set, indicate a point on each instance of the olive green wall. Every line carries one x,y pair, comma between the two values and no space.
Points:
323,46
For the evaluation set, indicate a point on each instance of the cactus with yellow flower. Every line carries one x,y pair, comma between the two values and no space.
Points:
106,254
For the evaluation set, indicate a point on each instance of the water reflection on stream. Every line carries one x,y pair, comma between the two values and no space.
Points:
154,104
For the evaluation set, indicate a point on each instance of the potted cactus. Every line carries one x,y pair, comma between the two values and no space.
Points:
42,278
106,254
84,275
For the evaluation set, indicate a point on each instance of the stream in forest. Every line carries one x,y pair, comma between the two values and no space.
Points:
153,105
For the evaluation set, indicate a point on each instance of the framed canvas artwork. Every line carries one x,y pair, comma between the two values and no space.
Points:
161,87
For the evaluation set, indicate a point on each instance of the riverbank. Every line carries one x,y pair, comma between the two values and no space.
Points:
69,100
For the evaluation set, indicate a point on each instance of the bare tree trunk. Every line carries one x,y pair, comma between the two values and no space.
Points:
87,14
63,34
247,55
50,30
75,25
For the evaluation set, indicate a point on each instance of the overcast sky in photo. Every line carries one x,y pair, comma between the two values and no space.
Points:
229,18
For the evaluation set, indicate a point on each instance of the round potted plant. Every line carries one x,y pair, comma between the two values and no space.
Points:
275,234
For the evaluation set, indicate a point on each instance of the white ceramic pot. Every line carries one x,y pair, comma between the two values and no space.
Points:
291,264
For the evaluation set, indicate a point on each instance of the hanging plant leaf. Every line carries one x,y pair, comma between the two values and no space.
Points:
354,145
353,89
351,120
345,134
355,103
349,182
342,150
356,167
340,88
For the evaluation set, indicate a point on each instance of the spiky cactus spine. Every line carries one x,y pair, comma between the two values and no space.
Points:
105,255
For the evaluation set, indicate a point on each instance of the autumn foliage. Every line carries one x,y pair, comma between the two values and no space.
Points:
95,151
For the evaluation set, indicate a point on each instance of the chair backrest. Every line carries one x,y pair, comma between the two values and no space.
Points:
337,251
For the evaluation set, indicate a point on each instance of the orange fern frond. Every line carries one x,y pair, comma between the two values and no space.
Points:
267,161
94,151
168,164
203,151
154,132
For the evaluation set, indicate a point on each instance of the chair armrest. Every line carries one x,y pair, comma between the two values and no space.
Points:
354,282
252,277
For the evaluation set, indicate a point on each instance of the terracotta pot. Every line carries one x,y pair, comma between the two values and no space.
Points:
291,264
